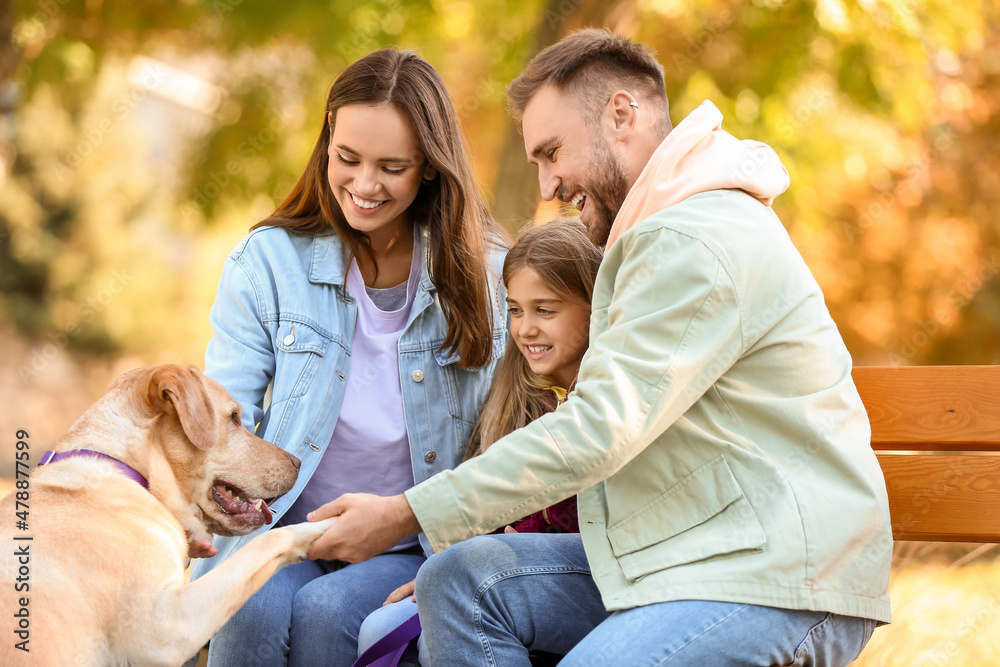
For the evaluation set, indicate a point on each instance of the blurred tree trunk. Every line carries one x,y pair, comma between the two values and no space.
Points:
516,186
9,57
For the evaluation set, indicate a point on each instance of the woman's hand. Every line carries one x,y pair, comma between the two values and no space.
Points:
409,588
509,529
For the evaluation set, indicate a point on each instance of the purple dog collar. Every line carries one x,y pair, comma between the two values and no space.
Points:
130,472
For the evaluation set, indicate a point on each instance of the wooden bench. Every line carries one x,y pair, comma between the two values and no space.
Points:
936,432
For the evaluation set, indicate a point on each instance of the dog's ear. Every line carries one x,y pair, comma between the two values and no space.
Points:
181,390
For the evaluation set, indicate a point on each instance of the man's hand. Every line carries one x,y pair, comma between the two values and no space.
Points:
368,525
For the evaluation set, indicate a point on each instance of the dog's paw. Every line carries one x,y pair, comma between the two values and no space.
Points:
201,549
311,530
200,545
304,534
197,533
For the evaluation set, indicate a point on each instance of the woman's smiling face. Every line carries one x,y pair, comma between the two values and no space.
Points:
375,167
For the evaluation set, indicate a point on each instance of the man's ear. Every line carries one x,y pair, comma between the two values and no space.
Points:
622,114
181,391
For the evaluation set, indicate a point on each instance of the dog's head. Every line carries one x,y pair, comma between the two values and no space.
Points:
226,474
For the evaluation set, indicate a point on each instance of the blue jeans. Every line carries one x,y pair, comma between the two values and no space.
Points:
488,600
309,614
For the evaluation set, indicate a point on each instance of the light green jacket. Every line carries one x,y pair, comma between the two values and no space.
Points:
715,437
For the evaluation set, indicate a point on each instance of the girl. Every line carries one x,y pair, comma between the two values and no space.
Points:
356,328
549,275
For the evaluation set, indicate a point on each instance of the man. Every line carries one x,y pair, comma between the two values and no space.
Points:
731,509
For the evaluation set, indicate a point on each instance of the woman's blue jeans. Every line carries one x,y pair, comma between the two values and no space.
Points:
309,614
488,600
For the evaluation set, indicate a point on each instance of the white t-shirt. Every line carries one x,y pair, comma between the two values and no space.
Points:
369,451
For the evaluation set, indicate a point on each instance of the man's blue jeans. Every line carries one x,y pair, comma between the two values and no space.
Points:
488,600
309,614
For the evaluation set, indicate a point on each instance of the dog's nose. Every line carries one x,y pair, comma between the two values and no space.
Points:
295,461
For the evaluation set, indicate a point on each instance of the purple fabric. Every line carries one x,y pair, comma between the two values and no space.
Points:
130,472
394,648
558,518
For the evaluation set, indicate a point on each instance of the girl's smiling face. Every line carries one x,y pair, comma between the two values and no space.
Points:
549,331
375,168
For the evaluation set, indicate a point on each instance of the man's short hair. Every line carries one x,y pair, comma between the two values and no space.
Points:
590,64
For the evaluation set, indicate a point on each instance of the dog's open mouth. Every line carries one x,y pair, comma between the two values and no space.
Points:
233,500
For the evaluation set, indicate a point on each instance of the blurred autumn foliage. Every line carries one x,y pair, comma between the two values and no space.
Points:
140,140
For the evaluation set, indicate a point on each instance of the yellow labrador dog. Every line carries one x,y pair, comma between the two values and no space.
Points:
100,581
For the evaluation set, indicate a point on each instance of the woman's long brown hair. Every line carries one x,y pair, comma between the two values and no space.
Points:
565,260
451,205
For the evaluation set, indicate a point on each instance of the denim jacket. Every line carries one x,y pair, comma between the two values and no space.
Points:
283,322
715,439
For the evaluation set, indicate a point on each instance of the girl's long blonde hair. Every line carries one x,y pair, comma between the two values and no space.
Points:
566,262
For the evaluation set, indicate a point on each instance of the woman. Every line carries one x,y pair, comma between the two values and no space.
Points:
368,300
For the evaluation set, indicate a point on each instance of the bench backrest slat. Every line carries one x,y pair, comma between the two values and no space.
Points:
950,491
932,407
943,498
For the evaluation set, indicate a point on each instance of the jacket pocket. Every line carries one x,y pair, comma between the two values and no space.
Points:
299,347
705,514
296,336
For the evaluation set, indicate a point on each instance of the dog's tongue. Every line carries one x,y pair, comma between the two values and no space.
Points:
251,506
267,512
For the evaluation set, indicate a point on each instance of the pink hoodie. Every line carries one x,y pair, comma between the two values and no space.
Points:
698,156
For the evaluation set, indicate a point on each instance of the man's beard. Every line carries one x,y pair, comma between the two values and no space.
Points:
608,188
